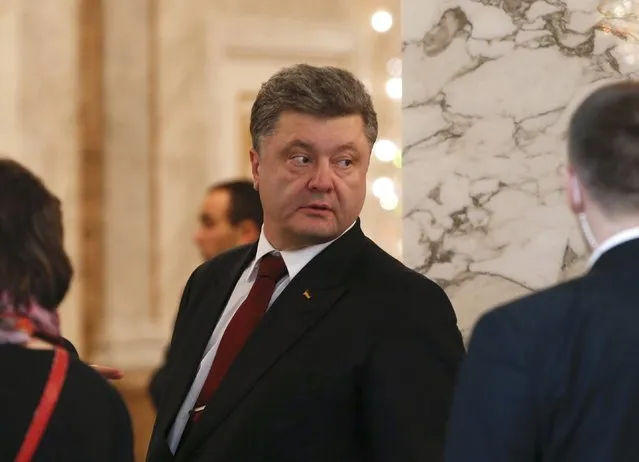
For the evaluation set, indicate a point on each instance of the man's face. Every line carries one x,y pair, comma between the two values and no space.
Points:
215,233
311,176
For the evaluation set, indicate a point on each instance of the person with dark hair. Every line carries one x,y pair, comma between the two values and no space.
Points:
554,376
52,406
230,216
313,344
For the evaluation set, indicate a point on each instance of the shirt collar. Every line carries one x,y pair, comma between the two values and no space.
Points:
615,240
295,260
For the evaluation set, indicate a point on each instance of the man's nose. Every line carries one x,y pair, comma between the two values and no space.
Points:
321,179
197,235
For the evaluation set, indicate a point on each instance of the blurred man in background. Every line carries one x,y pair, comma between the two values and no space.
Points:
230,216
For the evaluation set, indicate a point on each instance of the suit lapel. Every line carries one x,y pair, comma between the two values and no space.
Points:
307,299
210,299
159,450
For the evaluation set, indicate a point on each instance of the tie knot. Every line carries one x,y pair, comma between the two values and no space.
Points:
272,267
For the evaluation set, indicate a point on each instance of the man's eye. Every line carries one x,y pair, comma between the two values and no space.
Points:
301,160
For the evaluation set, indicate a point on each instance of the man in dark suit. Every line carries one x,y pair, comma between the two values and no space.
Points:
313,344
555,376
230,216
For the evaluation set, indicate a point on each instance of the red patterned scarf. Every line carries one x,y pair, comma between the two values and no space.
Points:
18,324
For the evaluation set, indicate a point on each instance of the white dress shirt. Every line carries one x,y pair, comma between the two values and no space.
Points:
294,260
613,241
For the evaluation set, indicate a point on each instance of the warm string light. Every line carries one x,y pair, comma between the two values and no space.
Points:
394,83
394,67
619,18
385,150
394,88
619,9
384,190
381,21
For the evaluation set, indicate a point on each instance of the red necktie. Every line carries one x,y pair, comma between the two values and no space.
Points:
244,322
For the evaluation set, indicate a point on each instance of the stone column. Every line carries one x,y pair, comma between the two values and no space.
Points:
488,90
155,125
184,121
129,338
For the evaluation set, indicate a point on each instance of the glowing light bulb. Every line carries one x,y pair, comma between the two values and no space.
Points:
394,88
389,201
385,150
381,21
394,67
383,186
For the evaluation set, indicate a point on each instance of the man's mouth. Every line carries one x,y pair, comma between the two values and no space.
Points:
318,207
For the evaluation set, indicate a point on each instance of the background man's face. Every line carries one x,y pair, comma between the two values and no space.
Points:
215,233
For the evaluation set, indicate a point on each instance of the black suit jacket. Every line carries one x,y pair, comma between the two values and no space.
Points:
554,377
363,370
158,383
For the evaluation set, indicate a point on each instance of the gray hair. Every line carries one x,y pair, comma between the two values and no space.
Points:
318,91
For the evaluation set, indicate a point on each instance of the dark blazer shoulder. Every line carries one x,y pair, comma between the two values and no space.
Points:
89,379
537,326
541,310
407,301
410,306
378,264
397,281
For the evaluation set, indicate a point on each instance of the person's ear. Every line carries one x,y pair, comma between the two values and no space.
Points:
247,232
254,157
574,191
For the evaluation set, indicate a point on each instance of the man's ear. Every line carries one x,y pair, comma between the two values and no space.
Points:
574,192
247,232
254,157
